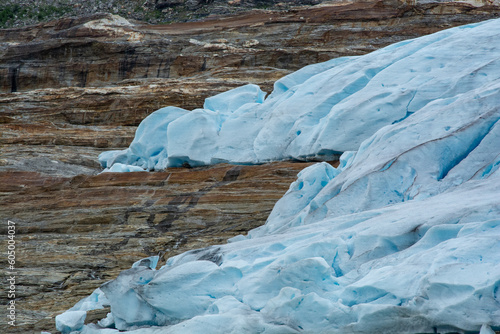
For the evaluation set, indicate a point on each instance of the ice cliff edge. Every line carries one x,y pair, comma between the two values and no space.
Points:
403,237
319,111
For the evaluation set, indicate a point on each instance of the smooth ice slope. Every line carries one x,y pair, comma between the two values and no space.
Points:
404,237
321,110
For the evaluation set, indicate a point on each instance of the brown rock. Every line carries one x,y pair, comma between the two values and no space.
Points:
131,101
94,316
75,233
104,49
62,131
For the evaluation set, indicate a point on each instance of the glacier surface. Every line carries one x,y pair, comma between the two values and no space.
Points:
321,110
402,237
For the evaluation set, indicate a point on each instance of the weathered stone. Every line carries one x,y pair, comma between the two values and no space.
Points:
75,233
128,103
103,49
96,315
162,4
62,131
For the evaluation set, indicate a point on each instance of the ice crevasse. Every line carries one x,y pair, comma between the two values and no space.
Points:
402,237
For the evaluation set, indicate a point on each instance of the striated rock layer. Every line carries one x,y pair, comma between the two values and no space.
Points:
62,131
75,233
103,49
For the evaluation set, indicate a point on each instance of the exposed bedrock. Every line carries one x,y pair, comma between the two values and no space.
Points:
103,49
76,233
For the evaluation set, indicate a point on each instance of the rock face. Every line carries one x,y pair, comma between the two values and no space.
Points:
104,49
78,86
76,233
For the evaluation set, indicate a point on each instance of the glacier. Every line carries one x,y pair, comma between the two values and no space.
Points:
320,111
402,237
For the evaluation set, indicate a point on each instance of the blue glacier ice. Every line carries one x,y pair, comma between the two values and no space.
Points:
402,237
321,110
70,321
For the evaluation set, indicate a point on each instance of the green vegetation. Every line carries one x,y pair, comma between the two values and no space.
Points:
10,13
154,15
18,13
50,12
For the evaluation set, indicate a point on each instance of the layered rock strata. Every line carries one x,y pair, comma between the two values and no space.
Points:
103,49
75,233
